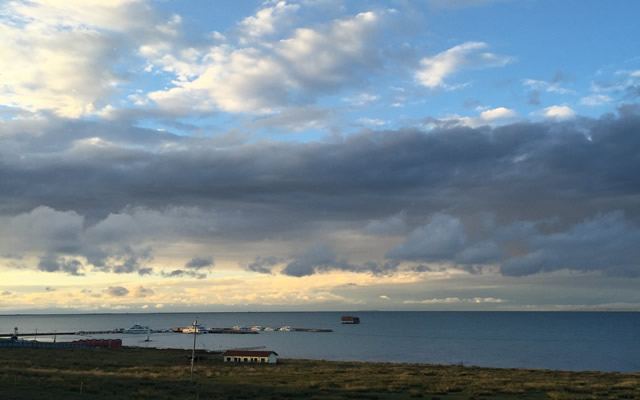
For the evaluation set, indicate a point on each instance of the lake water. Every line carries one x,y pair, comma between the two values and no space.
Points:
551,340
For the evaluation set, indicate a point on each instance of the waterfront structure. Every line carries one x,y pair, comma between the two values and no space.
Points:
76,344
137,330
348,319
251,356
195,328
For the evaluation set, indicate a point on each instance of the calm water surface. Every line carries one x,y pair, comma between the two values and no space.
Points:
553,340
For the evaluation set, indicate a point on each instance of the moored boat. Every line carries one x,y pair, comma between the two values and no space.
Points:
349,319
197,329
137,330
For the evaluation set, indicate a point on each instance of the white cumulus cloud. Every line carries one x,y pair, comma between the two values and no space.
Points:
62,56
267,20
434,70
491,116
497,113
291,71
559,112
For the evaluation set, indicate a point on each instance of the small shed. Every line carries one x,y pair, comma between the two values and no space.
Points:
251,356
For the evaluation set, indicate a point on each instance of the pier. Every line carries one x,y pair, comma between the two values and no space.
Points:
229,331
312,330
232,331
76,333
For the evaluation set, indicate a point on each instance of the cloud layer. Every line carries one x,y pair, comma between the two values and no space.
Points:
261,78
67,57
314,151
530,197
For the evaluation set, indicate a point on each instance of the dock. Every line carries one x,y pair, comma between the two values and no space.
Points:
231,331
36,334
75,333
226,331
76,344
313,330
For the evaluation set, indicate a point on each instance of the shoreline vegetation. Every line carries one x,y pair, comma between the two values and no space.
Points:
140,373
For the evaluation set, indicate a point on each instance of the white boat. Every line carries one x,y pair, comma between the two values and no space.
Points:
194,329
284,329
269,329
137,330
241,328
256,328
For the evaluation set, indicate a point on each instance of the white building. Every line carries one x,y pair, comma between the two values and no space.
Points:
250,356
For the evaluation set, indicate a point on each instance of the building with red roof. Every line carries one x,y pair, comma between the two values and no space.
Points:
251,356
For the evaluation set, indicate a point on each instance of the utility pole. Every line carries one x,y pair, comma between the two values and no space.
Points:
193,350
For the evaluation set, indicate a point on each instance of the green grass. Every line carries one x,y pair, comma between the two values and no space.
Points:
164,374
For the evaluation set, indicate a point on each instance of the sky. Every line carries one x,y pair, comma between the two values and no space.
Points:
319,155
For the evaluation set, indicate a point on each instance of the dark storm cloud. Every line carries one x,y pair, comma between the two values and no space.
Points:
182,273
129,265
120,260
142,291
604,243
264,265
108,186
322,258
441,238
316,259
191,268
117,291
372,173
393,225
199,263
607,243
51,263
378,268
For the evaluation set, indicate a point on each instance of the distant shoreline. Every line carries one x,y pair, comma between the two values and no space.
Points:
316,312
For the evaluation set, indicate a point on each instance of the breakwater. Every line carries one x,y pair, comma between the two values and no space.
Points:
229,331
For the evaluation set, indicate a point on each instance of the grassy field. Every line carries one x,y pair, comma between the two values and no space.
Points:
164,374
